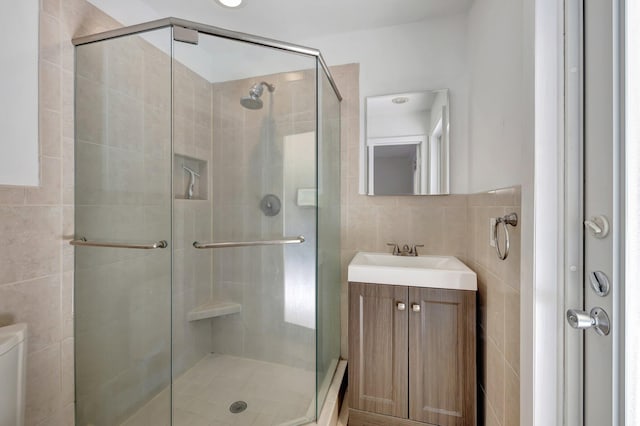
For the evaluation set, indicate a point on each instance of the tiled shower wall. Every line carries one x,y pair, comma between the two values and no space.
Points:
192,219
37,264
249,147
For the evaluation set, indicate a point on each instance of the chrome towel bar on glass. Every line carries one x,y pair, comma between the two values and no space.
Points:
222,244
510,219
84,243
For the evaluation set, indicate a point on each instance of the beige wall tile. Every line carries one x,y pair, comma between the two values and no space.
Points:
507,196
50,133
482,295
426,226
50,46
37,303
50,86
43,385
67,392
491,419
90,110
495,380
51,7
457,240
125,71
126,124
10,195
512,329
66,304
20,259
496,311
512,398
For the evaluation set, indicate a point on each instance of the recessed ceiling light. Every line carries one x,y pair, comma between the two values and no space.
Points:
400,100
230,3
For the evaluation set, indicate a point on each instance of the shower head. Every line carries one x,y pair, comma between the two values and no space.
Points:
253,101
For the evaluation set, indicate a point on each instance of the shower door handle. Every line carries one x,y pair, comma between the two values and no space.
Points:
82,242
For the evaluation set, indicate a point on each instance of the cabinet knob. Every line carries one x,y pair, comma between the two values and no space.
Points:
415,307
401,306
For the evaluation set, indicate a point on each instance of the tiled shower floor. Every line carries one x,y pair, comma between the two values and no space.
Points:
275,394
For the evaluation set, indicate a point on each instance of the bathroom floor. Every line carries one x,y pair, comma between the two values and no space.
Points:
275,394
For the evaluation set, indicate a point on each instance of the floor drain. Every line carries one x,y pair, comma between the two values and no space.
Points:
238,407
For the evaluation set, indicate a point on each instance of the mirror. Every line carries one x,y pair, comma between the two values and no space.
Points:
407,143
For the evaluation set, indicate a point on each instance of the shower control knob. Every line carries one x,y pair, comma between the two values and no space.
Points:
401,306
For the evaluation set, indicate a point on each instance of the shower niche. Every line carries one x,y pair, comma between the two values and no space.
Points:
180,142
192,183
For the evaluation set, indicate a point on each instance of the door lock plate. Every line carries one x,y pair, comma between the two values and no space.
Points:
600,283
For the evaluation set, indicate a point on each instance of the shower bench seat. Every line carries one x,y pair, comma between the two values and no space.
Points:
213,309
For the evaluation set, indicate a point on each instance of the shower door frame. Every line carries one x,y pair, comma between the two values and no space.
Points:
210,30
172,22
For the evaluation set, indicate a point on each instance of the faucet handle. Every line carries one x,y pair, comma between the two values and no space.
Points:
414,249
396,249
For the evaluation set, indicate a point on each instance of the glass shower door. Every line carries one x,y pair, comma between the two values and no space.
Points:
328,258
122,294
244,323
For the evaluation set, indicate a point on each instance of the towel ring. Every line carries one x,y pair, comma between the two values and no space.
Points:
510,219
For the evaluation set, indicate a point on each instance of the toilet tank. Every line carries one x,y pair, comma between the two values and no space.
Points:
13,358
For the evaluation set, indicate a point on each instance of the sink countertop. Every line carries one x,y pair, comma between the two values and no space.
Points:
446,272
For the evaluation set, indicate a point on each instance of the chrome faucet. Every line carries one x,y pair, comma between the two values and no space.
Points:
406,250
396,249
192,181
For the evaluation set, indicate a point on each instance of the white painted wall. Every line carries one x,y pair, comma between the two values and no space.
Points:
19,93
496,95
425,55
502,96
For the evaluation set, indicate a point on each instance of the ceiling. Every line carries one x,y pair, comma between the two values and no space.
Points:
290,20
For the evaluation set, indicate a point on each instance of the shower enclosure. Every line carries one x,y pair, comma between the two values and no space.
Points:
207,210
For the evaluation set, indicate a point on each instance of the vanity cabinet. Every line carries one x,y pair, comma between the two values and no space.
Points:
412,355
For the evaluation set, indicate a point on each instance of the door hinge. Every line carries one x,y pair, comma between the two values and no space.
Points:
185,35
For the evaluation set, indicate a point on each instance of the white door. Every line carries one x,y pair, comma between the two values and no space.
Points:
592,214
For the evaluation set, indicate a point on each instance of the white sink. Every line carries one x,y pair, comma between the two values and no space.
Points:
419,271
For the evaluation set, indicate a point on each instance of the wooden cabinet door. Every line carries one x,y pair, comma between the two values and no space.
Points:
442,356
378,348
